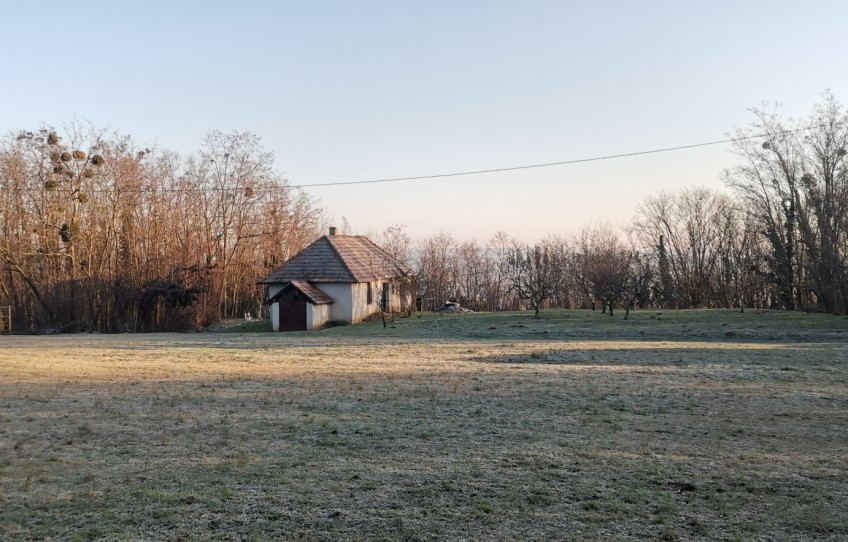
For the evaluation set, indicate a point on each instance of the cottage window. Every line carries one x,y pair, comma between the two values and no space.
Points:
370,298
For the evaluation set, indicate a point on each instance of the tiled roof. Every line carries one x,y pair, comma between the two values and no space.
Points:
339,258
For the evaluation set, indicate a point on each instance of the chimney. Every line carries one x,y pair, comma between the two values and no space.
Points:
332,230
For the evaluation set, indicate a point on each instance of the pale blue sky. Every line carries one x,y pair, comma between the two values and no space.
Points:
362,90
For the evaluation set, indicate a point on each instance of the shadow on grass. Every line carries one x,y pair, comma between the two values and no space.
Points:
676,326
418,448
750,356
581,325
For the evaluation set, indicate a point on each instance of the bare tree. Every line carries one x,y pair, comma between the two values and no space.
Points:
397,243
437,269
498,294
535,272
794,182
602,266
686,231
637,280
99,233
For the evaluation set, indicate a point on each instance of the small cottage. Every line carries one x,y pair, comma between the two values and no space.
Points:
338,278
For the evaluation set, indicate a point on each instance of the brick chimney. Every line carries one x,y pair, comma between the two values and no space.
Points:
332,230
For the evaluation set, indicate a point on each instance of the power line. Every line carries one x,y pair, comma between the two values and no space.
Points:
561,163
261,189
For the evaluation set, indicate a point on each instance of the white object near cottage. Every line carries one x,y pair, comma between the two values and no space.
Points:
338,278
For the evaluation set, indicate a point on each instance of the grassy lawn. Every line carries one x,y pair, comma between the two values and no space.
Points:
693,425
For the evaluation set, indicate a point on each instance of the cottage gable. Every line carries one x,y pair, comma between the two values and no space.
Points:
308,291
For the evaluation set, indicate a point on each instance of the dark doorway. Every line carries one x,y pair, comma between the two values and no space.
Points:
292,314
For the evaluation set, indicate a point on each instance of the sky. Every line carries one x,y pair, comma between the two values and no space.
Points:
364,90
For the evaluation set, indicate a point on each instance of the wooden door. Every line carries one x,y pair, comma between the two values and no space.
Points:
292,314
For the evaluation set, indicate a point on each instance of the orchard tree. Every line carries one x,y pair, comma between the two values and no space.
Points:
602,266
536,272
637,281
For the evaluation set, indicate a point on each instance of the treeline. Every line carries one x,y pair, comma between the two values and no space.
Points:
778,240
98,233
685,250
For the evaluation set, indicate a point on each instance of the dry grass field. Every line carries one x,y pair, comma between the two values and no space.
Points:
690,425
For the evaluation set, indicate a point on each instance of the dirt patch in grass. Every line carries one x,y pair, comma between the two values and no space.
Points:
369,437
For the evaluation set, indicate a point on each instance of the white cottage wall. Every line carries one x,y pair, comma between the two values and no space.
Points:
361,308
342,308
274,289
316,316
359,291
350,306
275,316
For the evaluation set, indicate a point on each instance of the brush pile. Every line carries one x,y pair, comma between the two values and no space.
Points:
452,307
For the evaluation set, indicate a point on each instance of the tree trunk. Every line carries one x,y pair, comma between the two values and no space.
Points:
32,286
